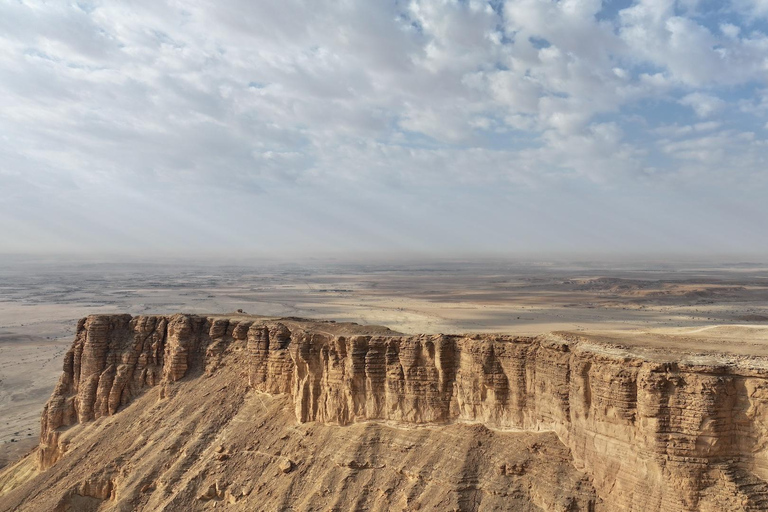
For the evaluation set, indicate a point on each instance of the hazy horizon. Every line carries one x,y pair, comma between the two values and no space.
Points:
423,128
93,260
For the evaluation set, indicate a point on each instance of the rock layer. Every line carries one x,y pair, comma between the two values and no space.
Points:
652,434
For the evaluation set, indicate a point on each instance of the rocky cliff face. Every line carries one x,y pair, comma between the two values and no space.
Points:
651,434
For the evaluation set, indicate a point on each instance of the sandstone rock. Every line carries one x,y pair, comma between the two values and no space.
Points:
286,465
651,434
209,493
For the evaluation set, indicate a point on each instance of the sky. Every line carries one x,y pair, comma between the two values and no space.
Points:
444,127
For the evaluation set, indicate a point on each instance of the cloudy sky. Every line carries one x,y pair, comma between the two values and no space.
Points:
426,126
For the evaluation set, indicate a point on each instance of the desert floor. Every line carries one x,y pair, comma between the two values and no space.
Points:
683,307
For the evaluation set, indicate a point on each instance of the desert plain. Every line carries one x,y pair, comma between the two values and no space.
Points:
680,307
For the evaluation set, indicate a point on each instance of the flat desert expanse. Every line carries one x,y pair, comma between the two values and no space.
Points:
660,306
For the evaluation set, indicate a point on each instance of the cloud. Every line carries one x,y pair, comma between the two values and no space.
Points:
703,104
752,9
246,98
680,131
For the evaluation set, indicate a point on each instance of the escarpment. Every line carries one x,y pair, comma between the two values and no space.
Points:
649,433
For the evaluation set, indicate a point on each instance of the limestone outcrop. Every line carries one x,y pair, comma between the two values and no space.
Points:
651,433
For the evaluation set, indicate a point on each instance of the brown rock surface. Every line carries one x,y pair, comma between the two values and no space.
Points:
181,412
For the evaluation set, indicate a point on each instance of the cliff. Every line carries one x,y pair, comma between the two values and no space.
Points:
644,431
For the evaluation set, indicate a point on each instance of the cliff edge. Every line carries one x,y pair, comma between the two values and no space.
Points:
182,412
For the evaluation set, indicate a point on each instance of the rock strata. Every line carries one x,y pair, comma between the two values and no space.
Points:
651,434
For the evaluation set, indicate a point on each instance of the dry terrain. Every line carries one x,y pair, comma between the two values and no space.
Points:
653,311
187,412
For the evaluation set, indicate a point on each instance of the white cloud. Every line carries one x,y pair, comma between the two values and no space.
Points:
679,131
752,8
730,30
246,79
703,104
256,96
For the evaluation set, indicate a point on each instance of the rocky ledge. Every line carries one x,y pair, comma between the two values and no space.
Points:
649,434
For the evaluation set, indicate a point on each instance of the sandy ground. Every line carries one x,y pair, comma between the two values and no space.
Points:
29,367
704,307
